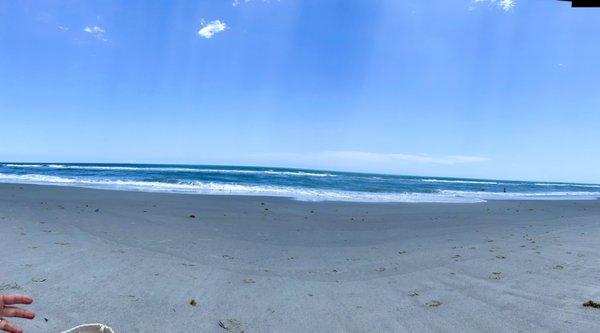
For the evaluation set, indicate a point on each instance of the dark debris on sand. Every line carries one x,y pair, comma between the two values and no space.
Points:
592,304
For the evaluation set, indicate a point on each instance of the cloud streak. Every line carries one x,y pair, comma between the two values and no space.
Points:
505,5
236,3
97,32
406,158
208,30
357,160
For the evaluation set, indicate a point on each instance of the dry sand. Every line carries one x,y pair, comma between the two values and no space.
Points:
135,261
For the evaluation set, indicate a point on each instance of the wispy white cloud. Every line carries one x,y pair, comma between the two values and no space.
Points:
359,160
97,32
505,5
236,3
63,28
208,30
404,158
349,160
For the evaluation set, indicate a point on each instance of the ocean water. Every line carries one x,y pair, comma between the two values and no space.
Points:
311,185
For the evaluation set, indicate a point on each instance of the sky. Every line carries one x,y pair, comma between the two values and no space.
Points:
463,88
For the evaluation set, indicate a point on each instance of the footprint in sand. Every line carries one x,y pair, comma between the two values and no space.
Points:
231,325
433,304
496,276
413,293
10,286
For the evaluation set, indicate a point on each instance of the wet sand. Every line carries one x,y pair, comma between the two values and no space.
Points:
135,261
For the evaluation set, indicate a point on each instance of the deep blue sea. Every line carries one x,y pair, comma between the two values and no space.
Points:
312,185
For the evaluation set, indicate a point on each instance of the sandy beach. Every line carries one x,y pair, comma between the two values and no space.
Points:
152,262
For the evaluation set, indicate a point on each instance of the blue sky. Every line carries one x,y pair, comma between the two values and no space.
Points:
491,89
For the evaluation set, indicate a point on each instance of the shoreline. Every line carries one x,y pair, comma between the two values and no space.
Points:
467,197
135,260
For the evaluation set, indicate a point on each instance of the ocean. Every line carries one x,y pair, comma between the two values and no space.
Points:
300,184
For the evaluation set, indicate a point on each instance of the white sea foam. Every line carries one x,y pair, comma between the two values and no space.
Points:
458,181
569,185
300,193
24,165
558,195
269,172
172,169
120,168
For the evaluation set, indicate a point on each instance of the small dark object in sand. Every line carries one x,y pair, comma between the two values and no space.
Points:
96,210
192,216
592,304
433,304
46,319
231,325
193,302
262,203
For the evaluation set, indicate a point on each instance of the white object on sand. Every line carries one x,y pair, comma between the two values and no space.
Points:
90,328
